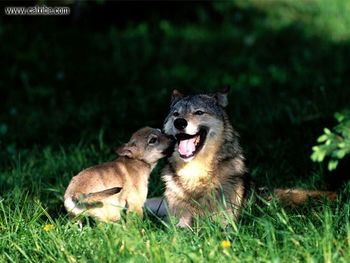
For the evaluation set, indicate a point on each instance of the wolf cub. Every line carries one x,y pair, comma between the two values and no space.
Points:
103,190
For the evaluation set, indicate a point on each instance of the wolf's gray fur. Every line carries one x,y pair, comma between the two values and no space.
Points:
207,174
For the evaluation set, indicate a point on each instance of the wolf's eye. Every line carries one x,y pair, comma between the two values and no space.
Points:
176,114
153,140
198,112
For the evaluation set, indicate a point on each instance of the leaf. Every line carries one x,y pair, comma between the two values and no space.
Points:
340,153
318,155
314,156
322,138
327,131
332,165
341,145
321,155
339,116
315,148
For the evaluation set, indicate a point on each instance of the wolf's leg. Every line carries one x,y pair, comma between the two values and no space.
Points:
157,206
233,193
185,220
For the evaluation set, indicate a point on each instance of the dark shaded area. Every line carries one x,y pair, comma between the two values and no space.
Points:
112,66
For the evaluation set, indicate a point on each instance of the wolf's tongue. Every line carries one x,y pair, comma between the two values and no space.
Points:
187,147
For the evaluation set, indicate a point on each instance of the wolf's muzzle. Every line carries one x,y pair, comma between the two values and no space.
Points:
180,124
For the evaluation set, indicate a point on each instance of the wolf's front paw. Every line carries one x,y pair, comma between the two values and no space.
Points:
182,225
185,222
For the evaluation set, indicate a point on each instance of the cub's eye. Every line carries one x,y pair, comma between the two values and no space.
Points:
176,114
198,112
153,140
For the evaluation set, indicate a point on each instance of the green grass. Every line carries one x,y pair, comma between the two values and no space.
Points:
265,233
71,91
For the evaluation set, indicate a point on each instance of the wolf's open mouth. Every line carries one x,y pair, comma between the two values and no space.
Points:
190,145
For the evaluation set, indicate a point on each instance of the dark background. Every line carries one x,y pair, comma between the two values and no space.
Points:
109,68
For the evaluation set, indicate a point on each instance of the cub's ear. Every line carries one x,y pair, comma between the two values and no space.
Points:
175,96
126,150
221,96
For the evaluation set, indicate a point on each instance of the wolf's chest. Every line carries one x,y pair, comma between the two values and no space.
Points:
196,177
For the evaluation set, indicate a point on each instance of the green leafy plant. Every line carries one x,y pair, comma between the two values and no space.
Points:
334,143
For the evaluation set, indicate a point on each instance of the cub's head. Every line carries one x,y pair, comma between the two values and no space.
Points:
147,144
194,120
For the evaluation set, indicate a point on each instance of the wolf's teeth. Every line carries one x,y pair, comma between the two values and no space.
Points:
197,141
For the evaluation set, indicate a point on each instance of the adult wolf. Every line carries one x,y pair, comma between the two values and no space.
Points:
206,172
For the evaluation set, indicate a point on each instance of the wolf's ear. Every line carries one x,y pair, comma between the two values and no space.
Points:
221,96
126,150
175,96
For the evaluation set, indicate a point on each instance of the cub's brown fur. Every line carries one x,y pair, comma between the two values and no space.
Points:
102,191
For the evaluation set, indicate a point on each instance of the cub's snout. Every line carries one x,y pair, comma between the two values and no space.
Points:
149,145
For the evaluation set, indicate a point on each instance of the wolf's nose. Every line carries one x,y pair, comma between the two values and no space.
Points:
180,123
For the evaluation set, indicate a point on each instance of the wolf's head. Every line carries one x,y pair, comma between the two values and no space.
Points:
195,120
